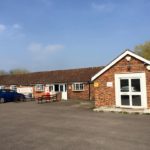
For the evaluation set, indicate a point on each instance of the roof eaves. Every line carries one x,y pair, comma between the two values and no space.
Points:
127,52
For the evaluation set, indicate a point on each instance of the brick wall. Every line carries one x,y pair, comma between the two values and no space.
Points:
105,96
81,95
37,93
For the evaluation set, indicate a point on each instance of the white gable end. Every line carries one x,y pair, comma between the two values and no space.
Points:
127,52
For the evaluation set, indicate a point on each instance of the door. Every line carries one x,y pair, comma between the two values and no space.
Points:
63,90
131,90
49,88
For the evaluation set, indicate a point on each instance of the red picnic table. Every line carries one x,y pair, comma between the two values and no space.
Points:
47,98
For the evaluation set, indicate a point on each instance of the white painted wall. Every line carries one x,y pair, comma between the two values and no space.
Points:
25,90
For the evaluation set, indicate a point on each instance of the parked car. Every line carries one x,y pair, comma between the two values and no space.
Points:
7,95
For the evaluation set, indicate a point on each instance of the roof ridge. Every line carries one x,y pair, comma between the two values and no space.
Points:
68,69
30,73
50,71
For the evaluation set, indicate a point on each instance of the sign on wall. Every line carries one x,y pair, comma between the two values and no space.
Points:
96,84
109,84
25,90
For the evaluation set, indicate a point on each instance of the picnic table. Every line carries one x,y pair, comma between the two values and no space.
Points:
47,98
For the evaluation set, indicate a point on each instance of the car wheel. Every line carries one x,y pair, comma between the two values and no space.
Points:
22,99
2,100
16,99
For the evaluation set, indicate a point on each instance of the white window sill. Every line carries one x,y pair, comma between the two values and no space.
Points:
78,90
39,90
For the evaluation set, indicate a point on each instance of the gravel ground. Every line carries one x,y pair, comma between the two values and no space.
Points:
70,125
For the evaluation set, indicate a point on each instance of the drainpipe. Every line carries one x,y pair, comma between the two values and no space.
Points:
89,90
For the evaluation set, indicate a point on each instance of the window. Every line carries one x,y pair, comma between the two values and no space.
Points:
78,87
125,100
2,87
61,88
13,87
56,87
124,84
39,87
136,87
51,88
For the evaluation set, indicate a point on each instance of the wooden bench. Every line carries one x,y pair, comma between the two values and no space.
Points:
47,98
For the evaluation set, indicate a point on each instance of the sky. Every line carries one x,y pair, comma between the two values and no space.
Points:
40,35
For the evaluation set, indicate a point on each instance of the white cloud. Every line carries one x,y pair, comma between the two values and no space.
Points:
38,47
104,7
40,51
9,28
2,28
12,31
53,48
16,26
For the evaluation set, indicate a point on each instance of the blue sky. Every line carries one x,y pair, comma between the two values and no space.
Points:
60,34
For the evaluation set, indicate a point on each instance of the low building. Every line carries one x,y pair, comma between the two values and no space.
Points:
125,82
73,83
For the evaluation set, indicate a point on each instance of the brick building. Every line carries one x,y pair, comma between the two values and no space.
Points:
125,82
73,83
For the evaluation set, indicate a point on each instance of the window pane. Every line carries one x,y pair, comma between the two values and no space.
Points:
136,100
61,88
81,86
124,84
39,87
51,88
135,83
77,86
13,87
125,100
2,87
56,87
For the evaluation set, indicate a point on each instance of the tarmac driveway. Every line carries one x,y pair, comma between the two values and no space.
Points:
70,126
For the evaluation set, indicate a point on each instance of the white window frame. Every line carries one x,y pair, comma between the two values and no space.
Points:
39,88
143,92
59,85
74,86
51,88
2,87
13,87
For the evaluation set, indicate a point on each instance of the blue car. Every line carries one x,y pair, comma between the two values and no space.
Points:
7,95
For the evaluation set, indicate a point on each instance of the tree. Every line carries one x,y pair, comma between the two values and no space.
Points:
143,50
2,72
18,71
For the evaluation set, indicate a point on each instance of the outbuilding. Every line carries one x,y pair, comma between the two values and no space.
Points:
123,83
71,83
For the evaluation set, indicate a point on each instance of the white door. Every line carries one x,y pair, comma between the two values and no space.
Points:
63,90
131,90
